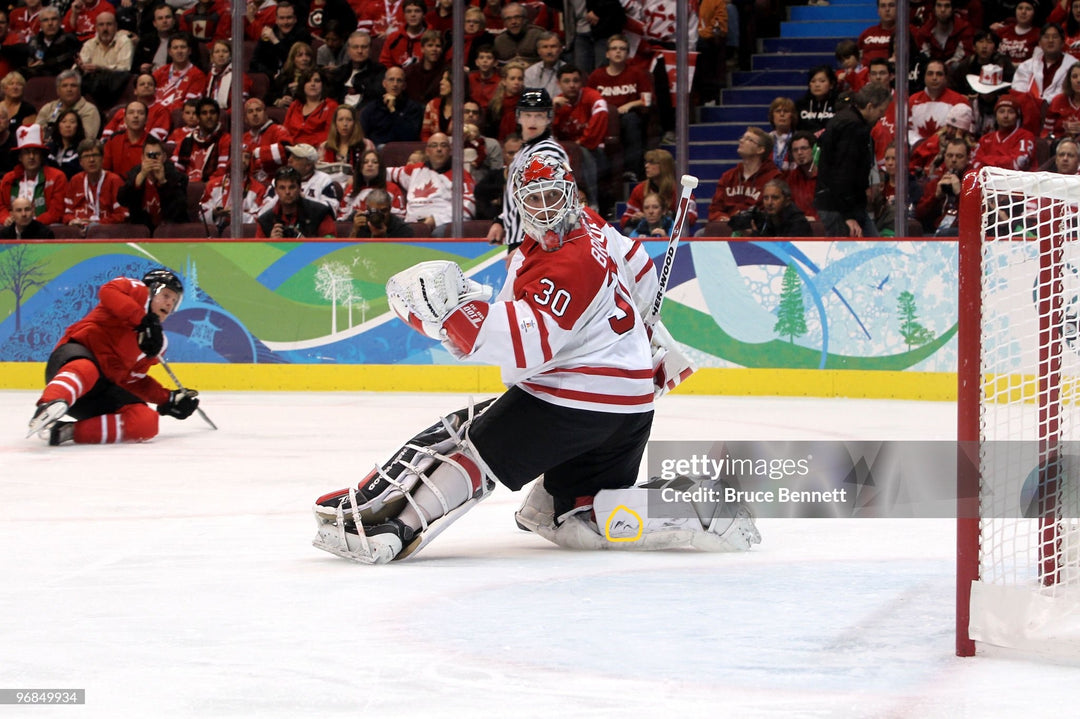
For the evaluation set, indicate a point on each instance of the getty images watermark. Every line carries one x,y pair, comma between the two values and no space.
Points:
812,478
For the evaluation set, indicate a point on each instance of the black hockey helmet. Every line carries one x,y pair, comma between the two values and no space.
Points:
159,278
535,98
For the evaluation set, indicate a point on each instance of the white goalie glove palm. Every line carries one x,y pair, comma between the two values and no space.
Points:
425,294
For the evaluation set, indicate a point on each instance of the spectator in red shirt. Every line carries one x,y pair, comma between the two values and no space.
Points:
82,17
402,47
266,140
1010,146
484,80
308,118
158,119
124,150
31,179
24,20
659,178
802,177
740,187
956,31
1019,35
939,207
179,80
874,41
93,195
627,89
581,116
1063,115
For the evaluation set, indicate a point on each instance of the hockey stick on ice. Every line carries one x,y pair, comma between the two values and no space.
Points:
689,182
179,386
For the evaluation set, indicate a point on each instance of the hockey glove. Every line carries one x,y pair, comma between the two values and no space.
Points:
151,338
181,404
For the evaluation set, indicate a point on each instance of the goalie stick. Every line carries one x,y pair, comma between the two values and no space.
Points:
688,182
181,387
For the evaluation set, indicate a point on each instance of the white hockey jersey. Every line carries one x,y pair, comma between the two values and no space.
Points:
567,326
431,193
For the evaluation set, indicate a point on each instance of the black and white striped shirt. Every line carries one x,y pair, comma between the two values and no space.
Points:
510,220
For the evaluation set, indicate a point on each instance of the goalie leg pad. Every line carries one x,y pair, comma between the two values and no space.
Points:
648,517
403,505
380,494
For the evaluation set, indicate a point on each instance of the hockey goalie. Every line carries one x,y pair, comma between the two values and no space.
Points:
582,368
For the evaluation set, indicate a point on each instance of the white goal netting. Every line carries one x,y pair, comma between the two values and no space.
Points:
1028,593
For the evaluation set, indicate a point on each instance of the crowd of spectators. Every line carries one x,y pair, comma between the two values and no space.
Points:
118,113
989,84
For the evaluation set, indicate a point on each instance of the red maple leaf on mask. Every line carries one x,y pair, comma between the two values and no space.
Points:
425,190
538,169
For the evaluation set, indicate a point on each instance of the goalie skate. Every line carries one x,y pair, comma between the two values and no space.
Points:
385,542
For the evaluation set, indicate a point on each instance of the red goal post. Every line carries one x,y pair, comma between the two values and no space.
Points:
1018,415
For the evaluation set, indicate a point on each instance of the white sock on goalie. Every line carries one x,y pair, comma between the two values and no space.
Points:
646,517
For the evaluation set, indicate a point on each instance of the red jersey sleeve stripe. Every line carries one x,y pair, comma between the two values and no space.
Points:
594,397
633,250
515,335
644,271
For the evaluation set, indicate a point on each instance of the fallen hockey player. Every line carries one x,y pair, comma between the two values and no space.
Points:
582,366
97,373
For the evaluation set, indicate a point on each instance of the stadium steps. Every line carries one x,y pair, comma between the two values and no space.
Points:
807,38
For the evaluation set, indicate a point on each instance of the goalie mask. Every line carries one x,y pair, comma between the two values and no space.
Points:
547,199
155,280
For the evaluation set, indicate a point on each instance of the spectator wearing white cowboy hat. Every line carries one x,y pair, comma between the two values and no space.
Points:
45,187
990,84
985,44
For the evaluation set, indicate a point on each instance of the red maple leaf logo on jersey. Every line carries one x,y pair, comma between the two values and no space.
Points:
425,190
538,169
929,128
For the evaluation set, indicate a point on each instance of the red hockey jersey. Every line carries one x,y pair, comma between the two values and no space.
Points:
108,331
566,327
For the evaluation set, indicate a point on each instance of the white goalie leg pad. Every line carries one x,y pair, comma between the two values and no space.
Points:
657,515
432,498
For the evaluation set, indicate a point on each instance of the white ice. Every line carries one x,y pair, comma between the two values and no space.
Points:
176,578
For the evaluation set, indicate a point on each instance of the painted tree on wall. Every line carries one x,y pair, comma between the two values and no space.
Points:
334,282
20,274
790,316
911,330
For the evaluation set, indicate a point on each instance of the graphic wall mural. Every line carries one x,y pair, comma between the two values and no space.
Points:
828,305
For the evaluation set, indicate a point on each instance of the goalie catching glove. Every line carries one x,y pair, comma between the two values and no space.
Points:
426,294
181,404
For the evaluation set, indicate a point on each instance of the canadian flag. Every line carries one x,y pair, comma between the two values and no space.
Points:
670,65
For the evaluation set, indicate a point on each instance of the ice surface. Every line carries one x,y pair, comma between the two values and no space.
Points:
176,578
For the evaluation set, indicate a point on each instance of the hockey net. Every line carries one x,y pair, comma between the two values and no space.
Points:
1018,538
